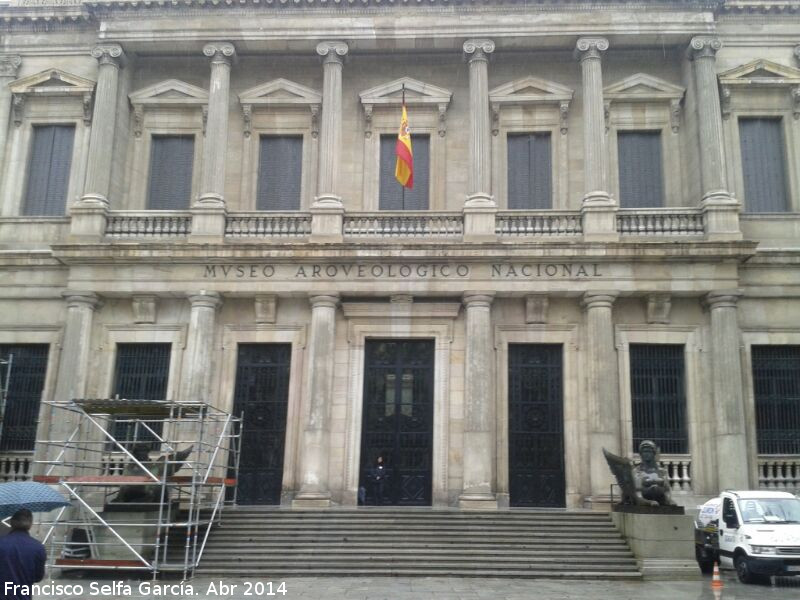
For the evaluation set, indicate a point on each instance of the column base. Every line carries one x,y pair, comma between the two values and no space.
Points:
480,216
599,216
210,200
327,219
312,500
477,502
721,212
88,218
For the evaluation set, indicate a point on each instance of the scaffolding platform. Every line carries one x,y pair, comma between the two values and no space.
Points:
147,480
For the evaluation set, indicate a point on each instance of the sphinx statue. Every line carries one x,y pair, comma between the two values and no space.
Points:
147,494
645,484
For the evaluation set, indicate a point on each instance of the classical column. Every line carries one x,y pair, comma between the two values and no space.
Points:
480,134
330,135
703,51
197,362
726,381
212,182
602,388
595,156
479,427
9,64
314,454
104,118
73,369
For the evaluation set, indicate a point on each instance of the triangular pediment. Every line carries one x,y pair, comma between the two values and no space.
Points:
52,82
170,92
280,92
643,87
761,72
530,90
416,93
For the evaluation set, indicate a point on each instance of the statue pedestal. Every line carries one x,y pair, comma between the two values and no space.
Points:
136,524
662,543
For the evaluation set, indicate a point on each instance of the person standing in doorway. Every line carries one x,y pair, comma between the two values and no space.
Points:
22,558
378,475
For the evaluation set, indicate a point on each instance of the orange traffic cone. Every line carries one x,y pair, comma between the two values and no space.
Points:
716,581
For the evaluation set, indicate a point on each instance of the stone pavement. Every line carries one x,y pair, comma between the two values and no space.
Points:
441,588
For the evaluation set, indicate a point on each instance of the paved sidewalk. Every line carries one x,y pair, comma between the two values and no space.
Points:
440,588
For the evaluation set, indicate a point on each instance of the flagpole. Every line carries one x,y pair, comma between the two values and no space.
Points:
402,187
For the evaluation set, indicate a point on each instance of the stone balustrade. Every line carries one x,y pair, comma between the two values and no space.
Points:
268,224
16,466
661,222
679,471
148,224
779,472
403,224
539,223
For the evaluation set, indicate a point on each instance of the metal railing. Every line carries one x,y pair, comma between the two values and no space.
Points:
540,223
148,224
660,221
404,224
779,472
261,224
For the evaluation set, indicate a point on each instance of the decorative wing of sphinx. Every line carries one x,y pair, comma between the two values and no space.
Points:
622,468
177,460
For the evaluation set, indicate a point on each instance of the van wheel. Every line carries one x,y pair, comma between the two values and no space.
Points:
706,564
744,573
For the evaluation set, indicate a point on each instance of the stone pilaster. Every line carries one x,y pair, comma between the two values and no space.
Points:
602,389
726,383
479,426
797,53
73,369
598,208
104,118
9,65
327,210
197,361
314,486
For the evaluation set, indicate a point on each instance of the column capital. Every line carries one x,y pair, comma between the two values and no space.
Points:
9,63
205,299
477,299
80,299
722,299
109,54
478,49
704,46
220,52
590,47
332,51
599,299
330,300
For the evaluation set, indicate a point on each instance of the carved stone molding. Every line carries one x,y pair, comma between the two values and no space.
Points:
658,308
9,64
642,87
266,308
170,93
759,74
418,94
590,47
51,83
478,49
144,308
109,54
220,52
332,51
536,306
280,93
530,91
704,46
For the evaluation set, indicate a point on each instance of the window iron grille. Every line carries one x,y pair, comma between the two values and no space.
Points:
24,375
776,386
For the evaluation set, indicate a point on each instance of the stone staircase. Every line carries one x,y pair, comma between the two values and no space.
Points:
256,542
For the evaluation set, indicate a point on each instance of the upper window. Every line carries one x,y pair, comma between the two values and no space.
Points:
640,177
529,171
48,170
25,383
658,397
394,196
776,386
763,164
171,158
279,172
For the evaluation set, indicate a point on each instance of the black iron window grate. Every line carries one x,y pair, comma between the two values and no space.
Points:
658,397
142,373
26,382
776,384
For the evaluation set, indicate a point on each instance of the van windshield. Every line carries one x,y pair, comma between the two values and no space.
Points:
770,510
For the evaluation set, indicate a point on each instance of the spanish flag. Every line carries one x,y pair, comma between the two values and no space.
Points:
404,167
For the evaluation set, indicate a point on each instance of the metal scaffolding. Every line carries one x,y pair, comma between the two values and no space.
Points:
147,480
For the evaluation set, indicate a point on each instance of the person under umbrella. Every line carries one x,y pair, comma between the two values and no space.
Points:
22,558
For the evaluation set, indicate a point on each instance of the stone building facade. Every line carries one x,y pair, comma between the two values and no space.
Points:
604,246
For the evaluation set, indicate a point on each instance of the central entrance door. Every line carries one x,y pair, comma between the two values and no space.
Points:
398,423
535,425
262,394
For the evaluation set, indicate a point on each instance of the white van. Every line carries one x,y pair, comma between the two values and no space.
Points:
755,532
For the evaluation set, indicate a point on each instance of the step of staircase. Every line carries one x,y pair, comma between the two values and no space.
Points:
274,543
